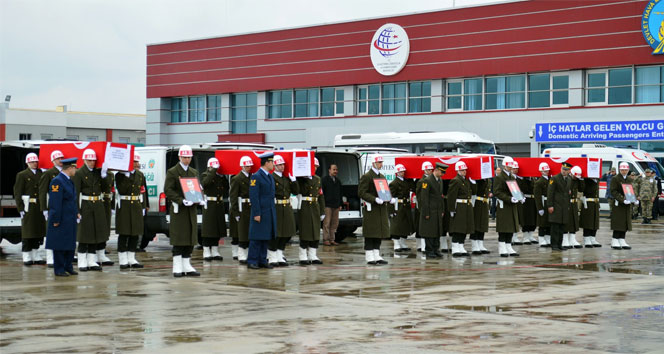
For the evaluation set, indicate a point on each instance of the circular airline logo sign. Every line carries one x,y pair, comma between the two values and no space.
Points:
389,49
652,25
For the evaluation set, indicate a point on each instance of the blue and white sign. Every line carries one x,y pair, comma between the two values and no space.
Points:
639,130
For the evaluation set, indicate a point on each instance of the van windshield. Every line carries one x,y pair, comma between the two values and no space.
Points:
653,165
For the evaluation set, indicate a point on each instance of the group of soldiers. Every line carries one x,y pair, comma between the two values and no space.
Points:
44,199
262,220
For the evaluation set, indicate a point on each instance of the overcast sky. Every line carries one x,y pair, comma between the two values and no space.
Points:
90,54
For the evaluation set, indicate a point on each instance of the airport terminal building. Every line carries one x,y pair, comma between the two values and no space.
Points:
525,74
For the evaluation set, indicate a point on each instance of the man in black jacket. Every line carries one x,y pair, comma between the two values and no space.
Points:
332,192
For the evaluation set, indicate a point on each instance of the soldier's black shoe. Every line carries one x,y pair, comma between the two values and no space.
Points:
218,258
589,246
372,263
267,266
107,263
305,262
61,274
235,258
136,266
28,263
504,255
192,274
381,261
485,251
405,249
253,266
72,272
316,261
243,262
41,262
124,266
526,242
273,265
95,268
177,275
597,245
207,259
578,246
82,269
283,264
556,248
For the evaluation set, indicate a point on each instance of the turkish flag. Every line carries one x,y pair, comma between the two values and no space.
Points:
475,165
529,166
76,149
229,160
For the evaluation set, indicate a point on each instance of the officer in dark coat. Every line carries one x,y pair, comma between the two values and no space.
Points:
183,228
427,169
460,208
621,215
310,215
44,183
284,186
375,219
558,205
432,210
540,193
507,216
215,187
90,182
401,222
62,218
482,192
589,218
129,214
241,208
263,224
26,195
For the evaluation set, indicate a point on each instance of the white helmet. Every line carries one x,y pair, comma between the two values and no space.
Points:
56,154
460,166
316,162
213,162
377,158
137,157
185,151
400,168
279,160
31,157
89,154
515,165
426,165
623,166
576,171
507,161
246,161
544,167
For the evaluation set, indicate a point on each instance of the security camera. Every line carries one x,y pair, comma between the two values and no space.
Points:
531,134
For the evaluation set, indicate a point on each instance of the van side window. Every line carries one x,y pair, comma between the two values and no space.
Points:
606,167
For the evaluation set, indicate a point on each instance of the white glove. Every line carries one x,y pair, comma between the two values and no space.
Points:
393,201
22,214
203,203
626,201
143,212
187,203
322,217
78,220
127,174
452,213
291,177
237,218
514,200
113,211
379,201
45,214
636,202
541,212
523,200
104,170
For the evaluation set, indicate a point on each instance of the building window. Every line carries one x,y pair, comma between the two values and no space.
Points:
394,98
650,84
280,104
560,94
506,92
368,99
419,97
178,109
197,108
72,137
331,102
540,94
213,108
472,94
306,103
619,86
46,136
123,140
243,113
92,138
454,95
24,136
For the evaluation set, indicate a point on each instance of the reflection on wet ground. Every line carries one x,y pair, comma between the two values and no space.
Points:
582,300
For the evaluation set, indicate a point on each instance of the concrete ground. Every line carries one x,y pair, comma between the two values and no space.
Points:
581,300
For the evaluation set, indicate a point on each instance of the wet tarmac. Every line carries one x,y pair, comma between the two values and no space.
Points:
580,300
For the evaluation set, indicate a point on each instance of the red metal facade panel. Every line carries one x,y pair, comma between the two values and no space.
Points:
498,39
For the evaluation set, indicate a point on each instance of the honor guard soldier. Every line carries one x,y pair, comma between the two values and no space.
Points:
284,186
183,228
589,218
401,224
375,219
215,187
427,169
460,207
482,196
108,195
62,218
527,210
129,214
646,193
310,215
263,224
540,193
558,197
507,215
621,220
44,183
432,210
573,226
241,208
93,228
26,195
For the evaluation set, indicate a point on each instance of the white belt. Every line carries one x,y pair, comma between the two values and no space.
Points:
592,200
92,198
131,197
282,201
108,196
26,202
486,200
573,200
241,200
213,199
463,201
528,195
310,199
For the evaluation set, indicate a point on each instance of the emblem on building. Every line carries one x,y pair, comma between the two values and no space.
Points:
652,25
389,49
